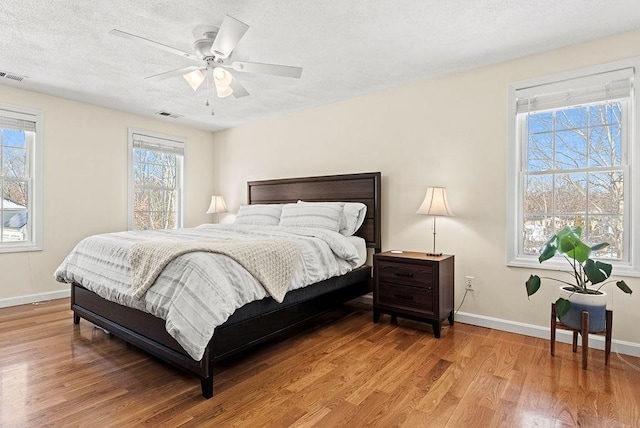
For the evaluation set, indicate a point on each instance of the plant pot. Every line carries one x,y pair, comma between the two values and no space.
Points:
595,304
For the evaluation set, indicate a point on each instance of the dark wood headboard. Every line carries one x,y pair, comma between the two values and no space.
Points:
364,187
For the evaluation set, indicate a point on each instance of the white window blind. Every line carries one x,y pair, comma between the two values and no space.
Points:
148,142
17,124
584,90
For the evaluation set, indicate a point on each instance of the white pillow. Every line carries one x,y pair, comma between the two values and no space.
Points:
324,215
353,215
263,214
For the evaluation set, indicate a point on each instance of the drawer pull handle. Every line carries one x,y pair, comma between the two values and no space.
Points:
403,296
404,274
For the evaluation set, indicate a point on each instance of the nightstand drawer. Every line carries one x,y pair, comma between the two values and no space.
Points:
420,299
404,273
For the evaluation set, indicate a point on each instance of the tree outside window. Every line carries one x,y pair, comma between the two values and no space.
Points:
573,176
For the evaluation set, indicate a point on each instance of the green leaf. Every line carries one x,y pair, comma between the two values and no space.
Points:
551,240
624,287
562,307
574,248
574,231
548,251
600,246
533,285
597,271
568,243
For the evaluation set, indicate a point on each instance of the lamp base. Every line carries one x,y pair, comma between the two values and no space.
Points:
433,254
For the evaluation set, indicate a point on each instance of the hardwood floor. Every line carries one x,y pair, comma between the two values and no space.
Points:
350,372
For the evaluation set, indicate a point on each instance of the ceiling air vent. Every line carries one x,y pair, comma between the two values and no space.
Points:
12,76
167,114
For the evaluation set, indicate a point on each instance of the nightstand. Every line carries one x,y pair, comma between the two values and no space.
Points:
415,286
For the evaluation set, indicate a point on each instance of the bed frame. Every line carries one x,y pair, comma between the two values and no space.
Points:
261,320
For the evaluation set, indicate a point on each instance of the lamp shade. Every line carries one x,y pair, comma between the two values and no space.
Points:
435,203
194,79
217,205
223,91
222,80
221,76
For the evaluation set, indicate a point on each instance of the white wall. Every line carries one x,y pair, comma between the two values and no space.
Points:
85,184
444,132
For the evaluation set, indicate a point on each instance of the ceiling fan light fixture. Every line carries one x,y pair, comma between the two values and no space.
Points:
222,80
223,91
194,79
221,76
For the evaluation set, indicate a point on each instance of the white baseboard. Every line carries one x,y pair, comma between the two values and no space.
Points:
620,346
34,298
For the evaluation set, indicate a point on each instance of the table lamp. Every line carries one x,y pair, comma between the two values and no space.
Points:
217,206
435,204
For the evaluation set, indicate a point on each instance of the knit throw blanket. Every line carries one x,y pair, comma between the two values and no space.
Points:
272,262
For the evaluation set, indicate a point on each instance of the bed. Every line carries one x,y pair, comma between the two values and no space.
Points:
259,320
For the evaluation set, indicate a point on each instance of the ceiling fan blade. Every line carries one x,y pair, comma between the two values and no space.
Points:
156,45
230,33
172,73
238,89
273,69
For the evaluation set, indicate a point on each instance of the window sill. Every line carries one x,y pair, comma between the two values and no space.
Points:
19,248
619,269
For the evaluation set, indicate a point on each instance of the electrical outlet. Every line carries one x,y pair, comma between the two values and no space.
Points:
468,282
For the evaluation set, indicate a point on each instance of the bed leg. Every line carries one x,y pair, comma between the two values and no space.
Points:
76,318
207,386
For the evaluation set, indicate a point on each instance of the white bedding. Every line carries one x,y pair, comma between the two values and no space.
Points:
198,291
361,248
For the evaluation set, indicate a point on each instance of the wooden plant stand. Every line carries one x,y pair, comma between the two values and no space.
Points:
584,332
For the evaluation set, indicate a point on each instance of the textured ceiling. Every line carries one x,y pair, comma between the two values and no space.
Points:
347,48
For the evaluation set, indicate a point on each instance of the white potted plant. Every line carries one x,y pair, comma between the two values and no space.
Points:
583,293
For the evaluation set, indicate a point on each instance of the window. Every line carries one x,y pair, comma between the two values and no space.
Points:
20,179
155,181
571,161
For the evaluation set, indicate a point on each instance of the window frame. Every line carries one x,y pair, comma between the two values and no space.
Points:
515,187
170,142
35,180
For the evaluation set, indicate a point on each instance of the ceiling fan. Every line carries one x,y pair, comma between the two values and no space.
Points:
213,53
